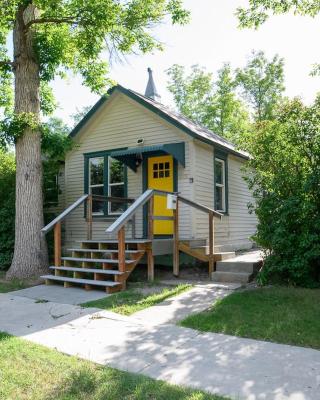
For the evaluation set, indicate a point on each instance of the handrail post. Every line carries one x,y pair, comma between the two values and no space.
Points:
89,217
122,249
150,218
57,244
211,244
133,226
176,261
150,236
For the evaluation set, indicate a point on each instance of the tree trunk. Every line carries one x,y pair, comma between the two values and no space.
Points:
30,252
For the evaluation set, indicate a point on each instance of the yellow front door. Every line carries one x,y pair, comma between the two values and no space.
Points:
160,176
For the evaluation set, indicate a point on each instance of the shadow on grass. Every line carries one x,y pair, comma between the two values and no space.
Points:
101,383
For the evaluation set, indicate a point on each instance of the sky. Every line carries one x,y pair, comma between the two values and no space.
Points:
210,39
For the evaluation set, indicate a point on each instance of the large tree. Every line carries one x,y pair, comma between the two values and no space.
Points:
213,103
262,83
51,37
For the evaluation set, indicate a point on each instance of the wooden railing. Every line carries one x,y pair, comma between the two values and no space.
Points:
148,198
127,216
55,224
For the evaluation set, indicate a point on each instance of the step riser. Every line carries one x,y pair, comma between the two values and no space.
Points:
231,277
237,267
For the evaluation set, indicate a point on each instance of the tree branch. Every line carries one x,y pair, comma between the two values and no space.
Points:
7,62
53,20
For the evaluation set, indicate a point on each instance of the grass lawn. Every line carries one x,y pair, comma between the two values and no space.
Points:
133,300
9,286
278,314
30,371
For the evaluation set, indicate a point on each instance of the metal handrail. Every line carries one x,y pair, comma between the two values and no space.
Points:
63,215
200,207
144,198
130,211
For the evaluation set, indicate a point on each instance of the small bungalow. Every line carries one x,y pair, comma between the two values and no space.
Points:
144,181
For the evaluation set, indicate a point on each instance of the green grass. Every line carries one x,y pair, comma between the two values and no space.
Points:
30,371
278,314
133,300
9,286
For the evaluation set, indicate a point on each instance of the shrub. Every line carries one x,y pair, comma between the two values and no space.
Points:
7,199
284,175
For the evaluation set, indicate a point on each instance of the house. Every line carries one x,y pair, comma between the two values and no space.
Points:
129,143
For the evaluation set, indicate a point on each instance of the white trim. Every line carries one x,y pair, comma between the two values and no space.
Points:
97,185
109,188
221,185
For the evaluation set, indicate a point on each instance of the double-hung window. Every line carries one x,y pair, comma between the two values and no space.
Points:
106,176
220,185
96,182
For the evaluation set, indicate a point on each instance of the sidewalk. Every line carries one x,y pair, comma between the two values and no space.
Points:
231,366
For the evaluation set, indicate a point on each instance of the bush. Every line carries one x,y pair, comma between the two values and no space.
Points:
7,201
284,176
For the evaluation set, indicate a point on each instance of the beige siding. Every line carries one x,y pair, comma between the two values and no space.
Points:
119,124
234,230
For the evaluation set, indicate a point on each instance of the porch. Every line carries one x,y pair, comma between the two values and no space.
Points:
108,263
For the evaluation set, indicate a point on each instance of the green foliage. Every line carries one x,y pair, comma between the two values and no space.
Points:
55,143
211,103
192,93
284,176
260,10
14,125
230,118
262,84
74,36
7,195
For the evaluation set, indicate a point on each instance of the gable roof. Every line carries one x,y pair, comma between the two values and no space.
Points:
180,121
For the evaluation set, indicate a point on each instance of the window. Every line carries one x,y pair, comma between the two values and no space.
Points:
96,174
220,184
161,170
116,185
106,177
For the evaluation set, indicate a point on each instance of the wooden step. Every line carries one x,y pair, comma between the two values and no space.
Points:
95,260
90,270
112,241
111,251
82,281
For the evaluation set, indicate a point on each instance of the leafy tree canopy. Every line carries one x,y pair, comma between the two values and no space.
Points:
262,84
77,36
260,10
208,102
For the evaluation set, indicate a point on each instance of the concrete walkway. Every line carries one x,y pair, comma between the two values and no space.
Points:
176,308
234,367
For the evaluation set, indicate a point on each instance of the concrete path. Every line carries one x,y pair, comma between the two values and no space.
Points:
58,294
238,368
176,308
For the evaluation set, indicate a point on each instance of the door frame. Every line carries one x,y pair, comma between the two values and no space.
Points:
145,186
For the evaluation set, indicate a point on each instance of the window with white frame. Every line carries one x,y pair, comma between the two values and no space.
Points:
220,185
116,185
96,182
106,177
